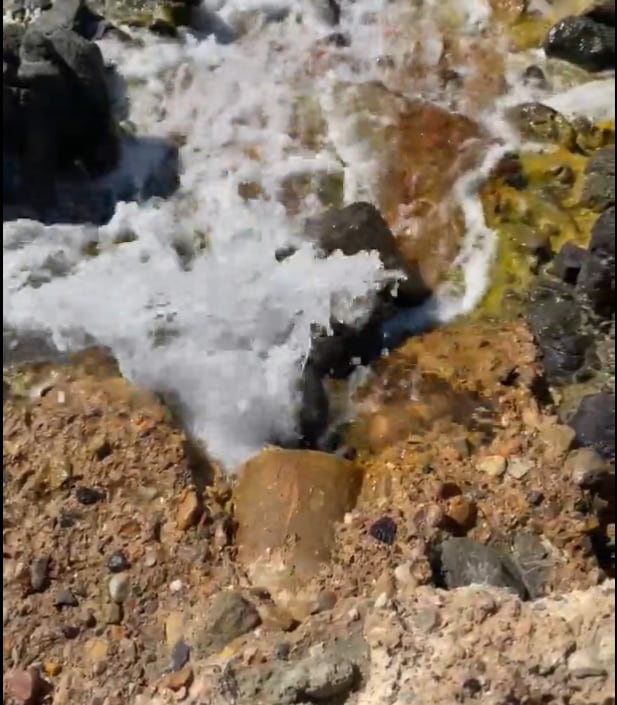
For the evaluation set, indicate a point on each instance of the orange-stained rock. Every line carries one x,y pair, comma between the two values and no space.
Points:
287,503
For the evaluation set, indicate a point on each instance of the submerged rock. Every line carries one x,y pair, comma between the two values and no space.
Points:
360,227
583,41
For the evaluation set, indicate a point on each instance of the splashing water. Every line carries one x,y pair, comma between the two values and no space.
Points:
224,326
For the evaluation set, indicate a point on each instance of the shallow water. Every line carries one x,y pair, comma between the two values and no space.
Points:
187,291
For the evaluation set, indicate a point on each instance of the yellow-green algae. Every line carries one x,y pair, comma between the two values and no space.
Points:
546,210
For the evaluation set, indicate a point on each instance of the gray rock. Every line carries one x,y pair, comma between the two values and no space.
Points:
466,562
229,617
594,423
599,188
39,574
319,678
534,560
582,41
65,598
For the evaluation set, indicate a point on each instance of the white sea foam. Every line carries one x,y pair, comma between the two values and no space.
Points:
226,328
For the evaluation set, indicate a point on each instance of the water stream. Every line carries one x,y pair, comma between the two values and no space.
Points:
186,291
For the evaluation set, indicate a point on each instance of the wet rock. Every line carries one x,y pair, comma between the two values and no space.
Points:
118,562
461,561
586,467
556,322
288,493
229,616
596,281
539,122
39,574
383,530
568,262
313,415
599,188
25,687
534,76
119,587
582,41
360,227
594,423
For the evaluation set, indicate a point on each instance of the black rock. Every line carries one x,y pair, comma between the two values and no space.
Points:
314,406
383,530
599,188
339,39
594,423
533,561
582,41
69,631
282,651
88,495
360,227
596,281
118,562
556,320
460,561
568,262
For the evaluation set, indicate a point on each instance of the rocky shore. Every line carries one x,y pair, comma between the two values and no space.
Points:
452,541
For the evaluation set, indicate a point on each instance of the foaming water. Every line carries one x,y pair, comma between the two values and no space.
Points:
187,291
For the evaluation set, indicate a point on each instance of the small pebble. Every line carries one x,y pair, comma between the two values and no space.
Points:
402,574
119,587
382,600
492,465
150,559
65,598
518,468
113,613
326,600
282,651
535,497
117,562
178,679
175,585
52,668
383,530
39,574
179,655
586,467
88,496
353,615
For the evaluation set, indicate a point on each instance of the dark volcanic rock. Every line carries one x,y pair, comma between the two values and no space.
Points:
582,41
568,262
596,281
360,227
599,189
594,423
466,562
556,321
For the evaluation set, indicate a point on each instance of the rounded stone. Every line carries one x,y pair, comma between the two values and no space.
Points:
119,587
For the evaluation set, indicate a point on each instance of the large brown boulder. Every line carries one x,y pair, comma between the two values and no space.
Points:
287,505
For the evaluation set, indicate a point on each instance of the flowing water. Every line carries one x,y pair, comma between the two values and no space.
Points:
186,291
